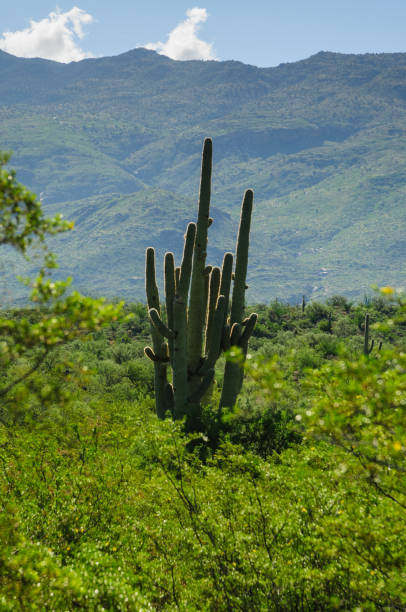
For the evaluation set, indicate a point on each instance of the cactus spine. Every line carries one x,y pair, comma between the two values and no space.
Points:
197,327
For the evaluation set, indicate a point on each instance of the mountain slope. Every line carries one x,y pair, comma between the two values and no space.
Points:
114,143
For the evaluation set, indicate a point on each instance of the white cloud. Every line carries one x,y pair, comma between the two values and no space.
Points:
183,42
56,37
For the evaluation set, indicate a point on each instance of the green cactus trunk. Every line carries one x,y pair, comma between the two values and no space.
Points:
234,372
158,352
198,288
180,354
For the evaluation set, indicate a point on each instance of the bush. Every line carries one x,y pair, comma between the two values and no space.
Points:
315,312
263,430
141,373
339,302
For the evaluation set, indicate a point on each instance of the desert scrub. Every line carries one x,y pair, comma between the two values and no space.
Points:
125,509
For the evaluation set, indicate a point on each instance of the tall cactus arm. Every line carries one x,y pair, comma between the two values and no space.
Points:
197,303
180,364
225,284
151,288
211,306
225,339
159,325
247,333
170,288
186,266
169,396
207,275
241,263
151,355
235,334
367,347
160,370
215,337
229,390
180,370
233,372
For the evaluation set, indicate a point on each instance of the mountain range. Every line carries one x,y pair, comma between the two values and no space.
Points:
114,144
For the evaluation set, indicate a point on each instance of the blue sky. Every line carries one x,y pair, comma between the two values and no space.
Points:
260,32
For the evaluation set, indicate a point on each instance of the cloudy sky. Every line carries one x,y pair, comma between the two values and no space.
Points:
260,32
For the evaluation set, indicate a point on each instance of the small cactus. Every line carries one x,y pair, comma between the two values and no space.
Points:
329,323
367,346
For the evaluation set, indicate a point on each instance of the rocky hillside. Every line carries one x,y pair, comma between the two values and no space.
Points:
114,144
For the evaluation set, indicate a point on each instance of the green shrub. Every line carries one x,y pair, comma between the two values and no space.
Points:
260,429
307,357
339,302
315,312
141,373
110,372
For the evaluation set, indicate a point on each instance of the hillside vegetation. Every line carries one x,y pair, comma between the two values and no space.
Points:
293,497
113,143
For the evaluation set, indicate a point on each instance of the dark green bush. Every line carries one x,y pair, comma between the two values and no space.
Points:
315,312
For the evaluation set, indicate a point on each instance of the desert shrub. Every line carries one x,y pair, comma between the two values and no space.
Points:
30,576
306,357
344,327
263,430
141,373
277,311
110,373
315,312
122,353
293,500
262,331
129,518
325,344
383,306
339,302
95,349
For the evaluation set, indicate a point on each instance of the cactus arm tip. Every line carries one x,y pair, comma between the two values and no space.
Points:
159,324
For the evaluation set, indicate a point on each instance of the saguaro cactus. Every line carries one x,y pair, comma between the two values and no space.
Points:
367,346
197,327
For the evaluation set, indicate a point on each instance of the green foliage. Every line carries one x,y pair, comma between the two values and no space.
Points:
30,576
128,518
360,406
264,428
316,312
26,342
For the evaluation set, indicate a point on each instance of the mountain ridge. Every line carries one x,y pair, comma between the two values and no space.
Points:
320,140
